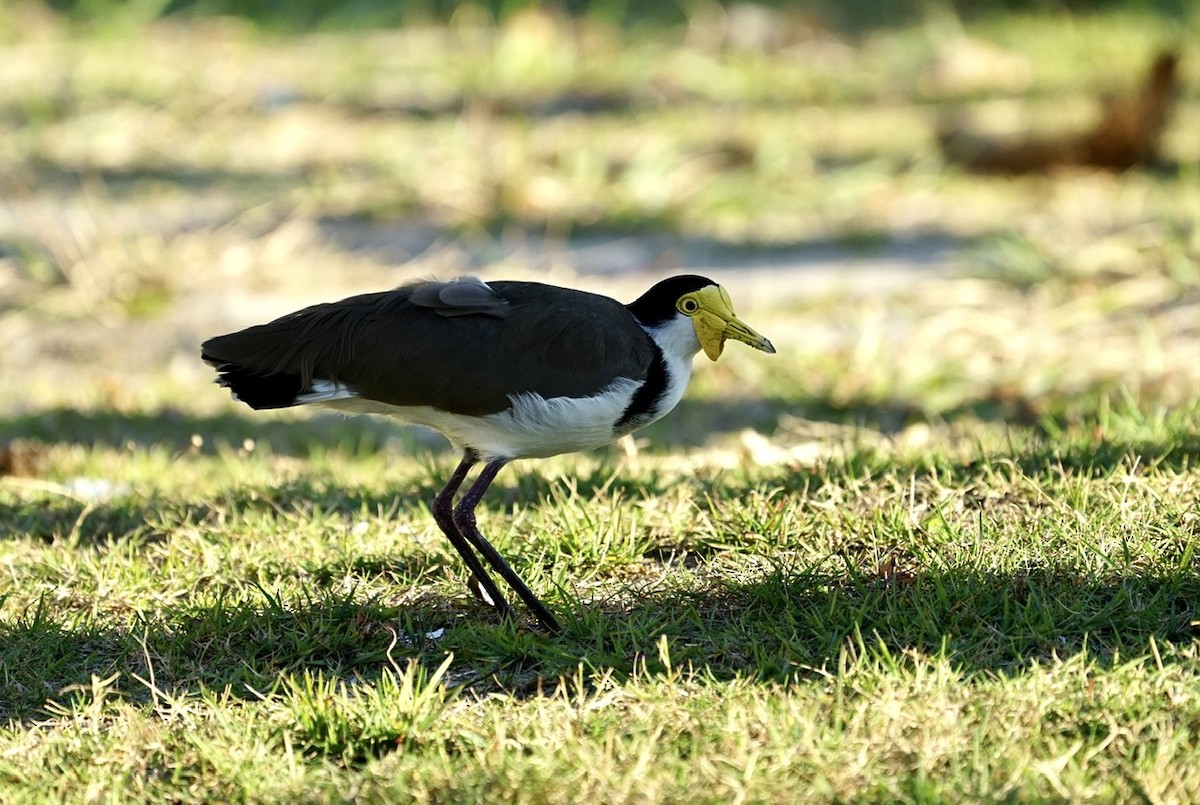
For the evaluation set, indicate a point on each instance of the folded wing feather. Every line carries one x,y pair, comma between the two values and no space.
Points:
465,347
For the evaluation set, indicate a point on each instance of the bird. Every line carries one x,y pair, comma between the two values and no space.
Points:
505,370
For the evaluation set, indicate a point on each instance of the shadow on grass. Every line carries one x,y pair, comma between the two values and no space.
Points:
616,244
120,180
174,430
530,105
134,518
789,623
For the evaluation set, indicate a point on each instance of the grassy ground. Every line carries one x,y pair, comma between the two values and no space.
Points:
944,545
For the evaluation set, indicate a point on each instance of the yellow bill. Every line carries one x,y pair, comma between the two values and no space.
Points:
715,322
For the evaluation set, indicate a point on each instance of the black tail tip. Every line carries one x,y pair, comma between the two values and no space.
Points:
257,389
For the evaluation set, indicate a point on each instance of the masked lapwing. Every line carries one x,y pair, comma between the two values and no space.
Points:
504,370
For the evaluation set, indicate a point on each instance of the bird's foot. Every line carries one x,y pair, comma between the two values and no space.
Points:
545,618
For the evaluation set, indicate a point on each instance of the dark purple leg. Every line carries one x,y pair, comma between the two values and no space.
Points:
464,518
443,515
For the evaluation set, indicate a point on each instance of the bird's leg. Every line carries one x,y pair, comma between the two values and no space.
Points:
443,515
464,518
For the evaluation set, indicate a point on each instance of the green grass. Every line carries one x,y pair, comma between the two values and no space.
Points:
944,546
965,620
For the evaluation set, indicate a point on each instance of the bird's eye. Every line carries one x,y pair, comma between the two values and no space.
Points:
689,306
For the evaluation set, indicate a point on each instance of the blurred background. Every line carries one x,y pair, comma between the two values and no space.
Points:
935,209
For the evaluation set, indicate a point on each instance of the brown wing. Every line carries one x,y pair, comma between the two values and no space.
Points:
460,349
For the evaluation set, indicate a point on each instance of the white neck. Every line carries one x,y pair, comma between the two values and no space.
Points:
679,344
677,339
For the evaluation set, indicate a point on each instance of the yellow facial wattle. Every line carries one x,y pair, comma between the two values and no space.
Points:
712,315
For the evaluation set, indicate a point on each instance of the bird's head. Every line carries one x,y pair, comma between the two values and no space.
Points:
708,306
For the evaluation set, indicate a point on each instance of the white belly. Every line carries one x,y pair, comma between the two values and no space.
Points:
534,427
